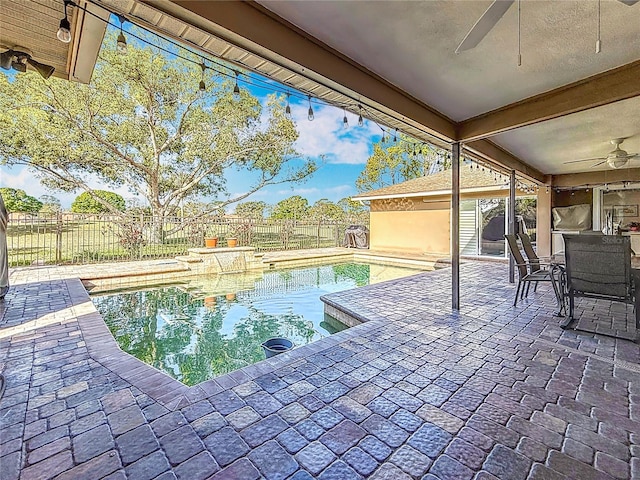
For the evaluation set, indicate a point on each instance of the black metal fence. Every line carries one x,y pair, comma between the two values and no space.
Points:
65,238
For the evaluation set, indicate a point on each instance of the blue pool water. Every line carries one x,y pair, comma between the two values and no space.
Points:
204,327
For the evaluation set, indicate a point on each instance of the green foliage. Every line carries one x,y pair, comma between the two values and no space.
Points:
143,124
325,210
253,210
396,162
292,208
355,212
18,201
50,204
98,201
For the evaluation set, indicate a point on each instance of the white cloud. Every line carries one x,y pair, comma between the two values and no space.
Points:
23,178
325,135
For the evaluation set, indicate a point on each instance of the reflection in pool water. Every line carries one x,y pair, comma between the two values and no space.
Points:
205,327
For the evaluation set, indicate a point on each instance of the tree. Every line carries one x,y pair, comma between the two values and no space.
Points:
292,208
355,212
17,200
325,210
253,210
50,204
395,162
144,124
97,202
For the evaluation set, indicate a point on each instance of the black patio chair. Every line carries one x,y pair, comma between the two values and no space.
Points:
528,272
599,267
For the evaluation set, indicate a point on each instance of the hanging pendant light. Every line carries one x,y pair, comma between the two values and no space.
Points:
310,112
360,120
236,88
202,87
121,45
64,32
287,110
345,121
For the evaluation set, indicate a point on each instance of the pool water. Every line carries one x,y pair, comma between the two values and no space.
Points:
204,327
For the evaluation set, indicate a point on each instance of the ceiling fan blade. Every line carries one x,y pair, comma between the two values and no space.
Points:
484,24
598,164
629,2
604,159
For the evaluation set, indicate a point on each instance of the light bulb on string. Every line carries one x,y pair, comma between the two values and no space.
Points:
64,32
310,112
121,44
360,120
384,139
287,110
202,87
236,88
345,121
395,136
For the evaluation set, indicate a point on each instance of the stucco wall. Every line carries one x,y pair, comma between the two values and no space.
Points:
411,225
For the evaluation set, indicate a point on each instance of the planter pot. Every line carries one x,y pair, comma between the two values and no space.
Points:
211,242
210,302
230,297
232,242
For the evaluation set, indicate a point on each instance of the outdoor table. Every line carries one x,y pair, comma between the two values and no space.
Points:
559,277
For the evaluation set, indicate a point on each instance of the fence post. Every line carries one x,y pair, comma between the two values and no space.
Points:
58,237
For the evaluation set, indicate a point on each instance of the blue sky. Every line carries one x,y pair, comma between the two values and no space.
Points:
345,153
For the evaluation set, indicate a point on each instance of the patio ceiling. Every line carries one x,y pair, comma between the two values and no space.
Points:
413,48
33,24
405,71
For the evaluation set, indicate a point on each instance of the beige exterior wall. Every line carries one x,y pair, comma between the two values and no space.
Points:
411,225
418,225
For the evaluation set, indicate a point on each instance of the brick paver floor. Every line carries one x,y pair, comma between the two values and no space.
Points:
416,391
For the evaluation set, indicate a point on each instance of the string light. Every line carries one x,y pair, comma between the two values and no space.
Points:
345,121
229,71
64,32
287,110
202,87
121,44
310,112
236,88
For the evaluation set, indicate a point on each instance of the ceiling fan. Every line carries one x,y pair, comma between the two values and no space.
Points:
616,158
19,57
489,19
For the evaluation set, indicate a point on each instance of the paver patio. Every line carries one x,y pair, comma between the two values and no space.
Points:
415,392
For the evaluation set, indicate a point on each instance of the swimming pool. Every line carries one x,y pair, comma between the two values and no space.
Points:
200,328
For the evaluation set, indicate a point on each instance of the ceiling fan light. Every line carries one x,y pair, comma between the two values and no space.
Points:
617,162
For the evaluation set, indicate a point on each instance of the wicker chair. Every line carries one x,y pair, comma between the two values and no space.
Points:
528,271
599,267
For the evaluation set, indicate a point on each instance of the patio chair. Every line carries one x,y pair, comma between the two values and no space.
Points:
599,267
527,271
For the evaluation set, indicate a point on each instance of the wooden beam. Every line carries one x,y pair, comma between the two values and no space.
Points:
607,87
247,24
494,153
597,177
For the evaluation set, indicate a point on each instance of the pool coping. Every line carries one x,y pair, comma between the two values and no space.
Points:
161,387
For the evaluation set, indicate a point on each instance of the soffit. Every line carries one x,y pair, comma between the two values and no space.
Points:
411,44
163,23
578,136
33,24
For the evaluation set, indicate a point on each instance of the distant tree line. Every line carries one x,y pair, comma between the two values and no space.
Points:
292,208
